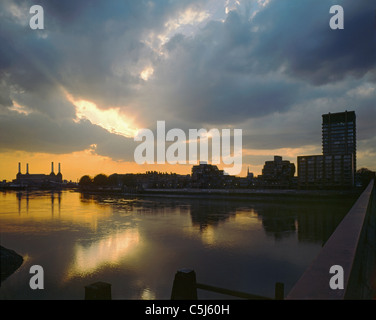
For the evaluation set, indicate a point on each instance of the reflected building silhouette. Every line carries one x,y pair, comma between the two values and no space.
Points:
206,213
311,220
86,197
27,202
53,195
59,201
314,222
277,224
52,203
26,195
317,223
19,198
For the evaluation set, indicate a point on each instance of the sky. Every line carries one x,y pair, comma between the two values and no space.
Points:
78,91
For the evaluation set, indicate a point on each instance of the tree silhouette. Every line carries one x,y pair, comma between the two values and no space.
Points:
365,176
100,180
113,179
85,181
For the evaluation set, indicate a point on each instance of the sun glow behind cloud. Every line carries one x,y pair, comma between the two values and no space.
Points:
110,119
189,17
146,73
187,23
20,109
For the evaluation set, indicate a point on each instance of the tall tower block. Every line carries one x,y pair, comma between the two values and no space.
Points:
339,134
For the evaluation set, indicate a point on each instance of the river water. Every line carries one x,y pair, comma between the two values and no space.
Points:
138,243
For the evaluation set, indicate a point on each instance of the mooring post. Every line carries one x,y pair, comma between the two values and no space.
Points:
98,291
279,291
184,287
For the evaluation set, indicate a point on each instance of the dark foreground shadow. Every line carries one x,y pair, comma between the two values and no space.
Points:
10,262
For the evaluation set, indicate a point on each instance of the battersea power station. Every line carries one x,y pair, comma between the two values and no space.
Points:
38,180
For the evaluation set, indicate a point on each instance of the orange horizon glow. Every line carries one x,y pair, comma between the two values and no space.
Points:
77,164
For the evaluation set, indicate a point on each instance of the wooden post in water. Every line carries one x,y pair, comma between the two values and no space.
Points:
98,291
184,287
279,291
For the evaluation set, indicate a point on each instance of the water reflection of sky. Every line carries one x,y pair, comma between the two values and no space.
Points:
108,251
139,244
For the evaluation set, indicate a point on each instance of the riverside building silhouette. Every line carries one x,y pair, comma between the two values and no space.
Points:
339,135
336,167
38,180
277,173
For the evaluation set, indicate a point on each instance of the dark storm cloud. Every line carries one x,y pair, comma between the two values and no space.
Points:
297,35
76,52
301,126
89,47
5,100
269,74
206,80
101,45
246,68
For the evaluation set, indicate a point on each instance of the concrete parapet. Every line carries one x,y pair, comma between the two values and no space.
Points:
347,247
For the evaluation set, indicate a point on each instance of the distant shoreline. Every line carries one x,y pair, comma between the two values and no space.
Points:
248,193
243,194
236,194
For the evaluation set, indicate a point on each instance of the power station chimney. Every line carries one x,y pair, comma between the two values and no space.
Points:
27,168
59,167
19,167
52,167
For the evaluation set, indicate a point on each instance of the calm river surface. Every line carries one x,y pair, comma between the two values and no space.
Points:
137,243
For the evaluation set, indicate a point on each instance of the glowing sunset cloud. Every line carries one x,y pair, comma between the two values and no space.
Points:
20,109
110,119
146,73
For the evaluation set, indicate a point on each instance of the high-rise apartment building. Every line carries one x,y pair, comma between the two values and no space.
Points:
339,134
337,165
